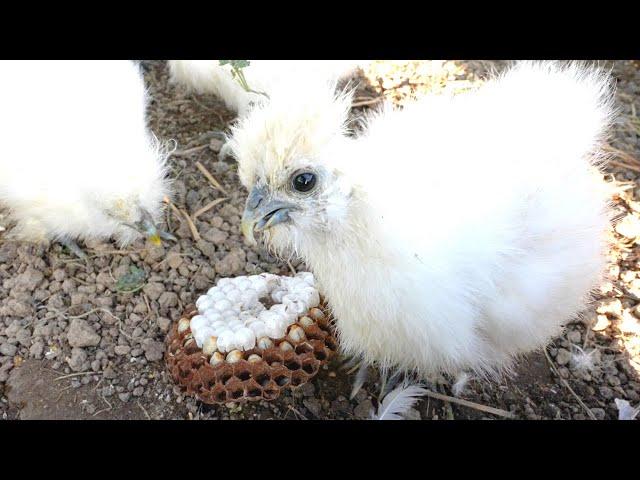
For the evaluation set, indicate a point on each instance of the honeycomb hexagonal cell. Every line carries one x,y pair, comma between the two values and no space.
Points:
255,374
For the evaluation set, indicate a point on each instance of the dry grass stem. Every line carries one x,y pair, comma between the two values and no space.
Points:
192,226
208,207
466,403
210,177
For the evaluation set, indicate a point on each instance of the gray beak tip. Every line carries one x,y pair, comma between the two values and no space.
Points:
262,212
167,236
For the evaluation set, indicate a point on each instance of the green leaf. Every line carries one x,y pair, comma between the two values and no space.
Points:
235,64
132,281
239,64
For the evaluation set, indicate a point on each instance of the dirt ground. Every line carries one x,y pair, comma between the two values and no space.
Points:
84,339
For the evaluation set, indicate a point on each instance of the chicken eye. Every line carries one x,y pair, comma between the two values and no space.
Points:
304,182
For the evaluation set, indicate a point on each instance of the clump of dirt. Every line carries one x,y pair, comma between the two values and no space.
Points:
85,338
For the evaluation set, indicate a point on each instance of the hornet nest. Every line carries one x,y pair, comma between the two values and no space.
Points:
250,337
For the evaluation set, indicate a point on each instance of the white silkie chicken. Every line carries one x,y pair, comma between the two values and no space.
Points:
450,236
77,159
208,76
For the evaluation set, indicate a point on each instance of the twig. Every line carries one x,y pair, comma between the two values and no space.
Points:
62,392
133,290
146,301
86,314
173,208
188,151
104,409
294,410
293,270
566,384
192,226
122,331
73,261
143,409
466,403
97,384
210,177
364,103
208,207
114,252
624,165
621,153
75,375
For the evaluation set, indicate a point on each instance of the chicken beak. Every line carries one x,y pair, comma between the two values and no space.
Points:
246,227
262,213
147,227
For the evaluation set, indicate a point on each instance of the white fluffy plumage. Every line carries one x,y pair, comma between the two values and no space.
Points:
208,76
449,236
77,161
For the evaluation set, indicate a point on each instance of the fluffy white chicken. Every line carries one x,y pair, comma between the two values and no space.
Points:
78,161
450,236
208,76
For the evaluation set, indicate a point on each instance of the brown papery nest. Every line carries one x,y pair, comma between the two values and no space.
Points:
260,374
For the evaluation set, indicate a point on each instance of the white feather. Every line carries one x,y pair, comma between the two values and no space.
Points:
399,401
625,410
460,383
